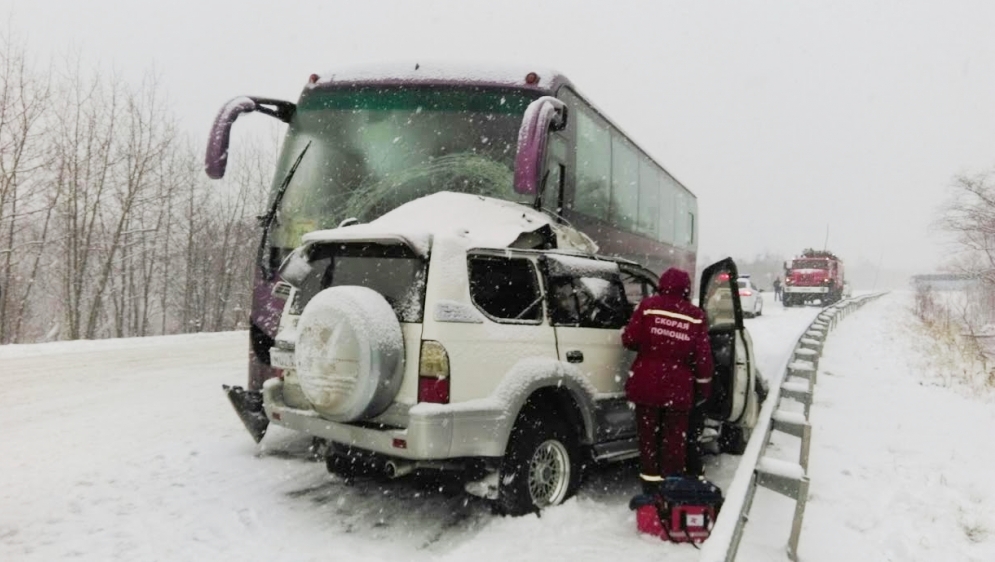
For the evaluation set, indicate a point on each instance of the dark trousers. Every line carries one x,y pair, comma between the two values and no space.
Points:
696,425
662,441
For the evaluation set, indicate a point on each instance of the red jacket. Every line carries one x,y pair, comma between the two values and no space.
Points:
673,363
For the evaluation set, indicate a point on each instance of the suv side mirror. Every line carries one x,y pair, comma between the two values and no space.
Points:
295,267
543,115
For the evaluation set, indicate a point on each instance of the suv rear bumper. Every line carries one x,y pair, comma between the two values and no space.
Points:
439,432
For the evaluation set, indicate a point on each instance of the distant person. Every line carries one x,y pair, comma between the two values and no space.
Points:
672,374
777,288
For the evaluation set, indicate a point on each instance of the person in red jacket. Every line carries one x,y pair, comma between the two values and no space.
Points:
671,374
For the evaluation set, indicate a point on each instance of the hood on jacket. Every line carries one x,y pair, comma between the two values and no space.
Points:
676,283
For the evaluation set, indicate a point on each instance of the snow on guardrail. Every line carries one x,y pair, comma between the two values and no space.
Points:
755,469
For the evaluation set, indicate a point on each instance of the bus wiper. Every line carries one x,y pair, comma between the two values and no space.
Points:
266,221
537,200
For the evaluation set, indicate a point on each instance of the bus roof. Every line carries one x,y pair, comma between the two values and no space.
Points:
509,76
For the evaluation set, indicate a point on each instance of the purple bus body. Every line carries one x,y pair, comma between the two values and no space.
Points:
265,316
266,309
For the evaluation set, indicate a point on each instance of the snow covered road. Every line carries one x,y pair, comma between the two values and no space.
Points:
128,450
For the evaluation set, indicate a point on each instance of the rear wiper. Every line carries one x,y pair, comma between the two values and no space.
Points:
266,221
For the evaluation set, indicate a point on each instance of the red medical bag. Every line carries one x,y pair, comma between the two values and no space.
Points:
682,510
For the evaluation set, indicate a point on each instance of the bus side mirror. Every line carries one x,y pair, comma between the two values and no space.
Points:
216,160
543,115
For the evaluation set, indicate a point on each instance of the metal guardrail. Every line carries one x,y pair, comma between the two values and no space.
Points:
797,382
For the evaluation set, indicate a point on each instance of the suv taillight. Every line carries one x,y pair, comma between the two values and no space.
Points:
433,373
745,293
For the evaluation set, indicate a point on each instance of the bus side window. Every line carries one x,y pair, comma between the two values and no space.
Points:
648,215
668,208
552,195
594,166
625,184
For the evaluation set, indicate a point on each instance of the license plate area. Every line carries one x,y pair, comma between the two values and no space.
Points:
281,358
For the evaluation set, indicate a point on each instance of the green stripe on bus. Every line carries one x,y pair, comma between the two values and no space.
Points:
412,99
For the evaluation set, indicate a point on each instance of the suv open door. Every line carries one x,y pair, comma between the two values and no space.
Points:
734,401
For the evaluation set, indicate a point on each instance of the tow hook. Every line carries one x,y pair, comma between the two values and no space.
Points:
248,405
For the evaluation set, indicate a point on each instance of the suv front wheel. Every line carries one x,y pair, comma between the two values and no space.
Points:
541,465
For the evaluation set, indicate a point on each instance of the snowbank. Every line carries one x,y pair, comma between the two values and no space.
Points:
900,467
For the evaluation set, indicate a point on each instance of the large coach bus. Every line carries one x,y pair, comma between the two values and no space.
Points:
363,141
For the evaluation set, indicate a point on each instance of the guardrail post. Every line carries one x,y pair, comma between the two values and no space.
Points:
809,355
795,424
811,343
802,369
796,523
798,393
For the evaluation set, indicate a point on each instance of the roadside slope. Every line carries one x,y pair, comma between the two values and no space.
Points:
900,467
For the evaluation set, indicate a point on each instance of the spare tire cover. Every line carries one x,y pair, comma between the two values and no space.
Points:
349,353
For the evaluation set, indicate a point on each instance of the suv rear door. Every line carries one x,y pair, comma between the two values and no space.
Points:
506,290
731,347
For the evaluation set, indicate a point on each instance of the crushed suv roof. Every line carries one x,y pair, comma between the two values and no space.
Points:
473,220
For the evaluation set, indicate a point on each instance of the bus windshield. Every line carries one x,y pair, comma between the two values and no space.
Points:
810,264
376,148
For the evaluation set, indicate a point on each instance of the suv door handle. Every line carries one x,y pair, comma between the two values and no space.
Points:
575,356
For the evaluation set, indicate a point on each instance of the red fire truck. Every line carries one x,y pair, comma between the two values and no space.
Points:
814,275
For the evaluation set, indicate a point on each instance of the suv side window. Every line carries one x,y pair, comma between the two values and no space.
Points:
588,302
506,289
637,288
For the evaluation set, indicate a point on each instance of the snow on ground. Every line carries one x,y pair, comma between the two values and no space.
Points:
901,468
128,450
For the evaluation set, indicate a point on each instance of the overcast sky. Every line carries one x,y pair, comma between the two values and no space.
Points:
782,117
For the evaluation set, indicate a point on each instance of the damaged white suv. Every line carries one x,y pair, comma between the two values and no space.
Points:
461,332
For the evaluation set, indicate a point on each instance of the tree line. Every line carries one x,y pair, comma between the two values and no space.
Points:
108,226
969,217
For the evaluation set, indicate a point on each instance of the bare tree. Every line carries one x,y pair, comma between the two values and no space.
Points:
25,211
87,120
970,216
108,226
130,252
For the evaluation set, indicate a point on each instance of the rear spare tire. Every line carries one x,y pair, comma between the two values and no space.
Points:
349,353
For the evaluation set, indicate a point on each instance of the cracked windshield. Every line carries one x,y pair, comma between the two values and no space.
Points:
374,149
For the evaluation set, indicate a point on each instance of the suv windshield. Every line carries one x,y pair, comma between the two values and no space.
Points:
376,148
393,271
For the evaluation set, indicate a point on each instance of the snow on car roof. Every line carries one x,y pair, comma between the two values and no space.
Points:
475,220
442,72
580,266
